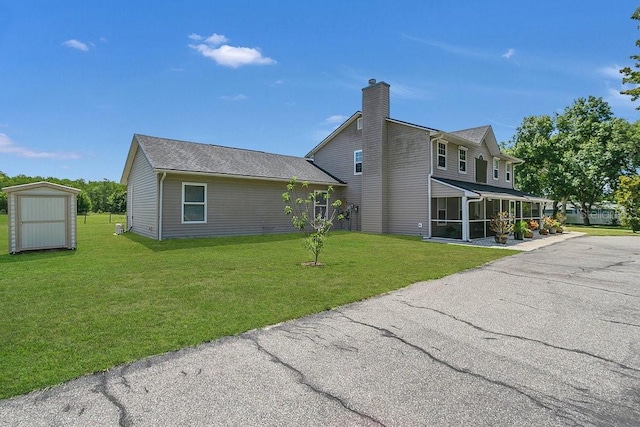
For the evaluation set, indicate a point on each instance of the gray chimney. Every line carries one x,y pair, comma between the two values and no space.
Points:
375,109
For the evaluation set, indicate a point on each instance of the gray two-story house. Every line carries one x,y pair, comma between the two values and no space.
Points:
413,179
392,176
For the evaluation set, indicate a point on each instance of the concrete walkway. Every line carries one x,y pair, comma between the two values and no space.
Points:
542,338
521,245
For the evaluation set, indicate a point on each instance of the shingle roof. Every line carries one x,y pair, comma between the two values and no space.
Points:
489,189
182,156
473,134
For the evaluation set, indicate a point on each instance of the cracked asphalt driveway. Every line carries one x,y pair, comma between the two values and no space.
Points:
549,337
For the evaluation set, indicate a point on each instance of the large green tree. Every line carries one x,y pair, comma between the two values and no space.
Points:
632,75
576,155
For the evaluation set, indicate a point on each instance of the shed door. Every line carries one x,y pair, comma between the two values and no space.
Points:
42,222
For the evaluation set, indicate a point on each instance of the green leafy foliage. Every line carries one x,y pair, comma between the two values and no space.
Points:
576,155
305,215
628,195
632,75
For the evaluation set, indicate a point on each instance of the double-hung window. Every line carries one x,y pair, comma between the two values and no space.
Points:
320,204
507,172
496,168
194,203
442,155
357,162
462,160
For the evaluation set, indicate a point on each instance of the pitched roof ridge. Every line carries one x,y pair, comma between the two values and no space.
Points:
413,124
204,144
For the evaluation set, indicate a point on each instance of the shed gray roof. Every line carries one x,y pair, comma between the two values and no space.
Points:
170,155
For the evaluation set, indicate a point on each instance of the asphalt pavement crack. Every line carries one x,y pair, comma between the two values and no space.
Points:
389,334
620,323
102,388
519,337
303,380
509,273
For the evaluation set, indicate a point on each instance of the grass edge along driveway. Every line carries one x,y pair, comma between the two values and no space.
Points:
116,299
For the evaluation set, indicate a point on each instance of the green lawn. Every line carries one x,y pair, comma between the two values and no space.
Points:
121,298
602,230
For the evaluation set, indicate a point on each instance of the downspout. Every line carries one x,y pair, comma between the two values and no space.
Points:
466,225
164,175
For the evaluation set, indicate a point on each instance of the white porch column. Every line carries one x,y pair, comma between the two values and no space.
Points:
465,219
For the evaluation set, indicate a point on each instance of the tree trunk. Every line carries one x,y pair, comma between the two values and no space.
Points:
585,214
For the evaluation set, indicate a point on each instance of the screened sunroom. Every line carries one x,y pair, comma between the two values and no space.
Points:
463,210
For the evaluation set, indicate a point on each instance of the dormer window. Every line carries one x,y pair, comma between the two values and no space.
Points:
462,159
496,168
507,172
442,155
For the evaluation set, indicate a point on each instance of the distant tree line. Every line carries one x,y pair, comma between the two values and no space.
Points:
94,196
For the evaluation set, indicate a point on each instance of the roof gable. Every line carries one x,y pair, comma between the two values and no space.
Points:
336,132
41,185
170,155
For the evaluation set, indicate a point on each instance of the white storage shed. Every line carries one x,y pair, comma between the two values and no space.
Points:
41,215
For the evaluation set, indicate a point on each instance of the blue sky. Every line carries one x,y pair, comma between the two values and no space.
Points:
79,78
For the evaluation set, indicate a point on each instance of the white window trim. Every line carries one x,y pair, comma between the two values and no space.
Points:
496,170
355,162
198,184
508,171
466,157
359,123
444,168
325,205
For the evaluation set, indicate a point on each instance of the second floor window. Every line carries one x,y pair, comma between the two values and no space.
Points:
357,162
496,168
442,155
462,160
507,172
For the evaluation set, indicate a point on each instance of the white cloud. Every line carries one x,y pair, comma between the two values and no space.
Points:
239,97
194,36
611,72
228,56
216,39
9,147
75,44
509,53
336,119
402,91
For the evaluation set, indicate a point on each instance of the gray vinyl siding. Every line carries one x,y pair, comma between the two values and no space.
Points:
336,157
234,207
442,190
473,151
407,179
142,204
